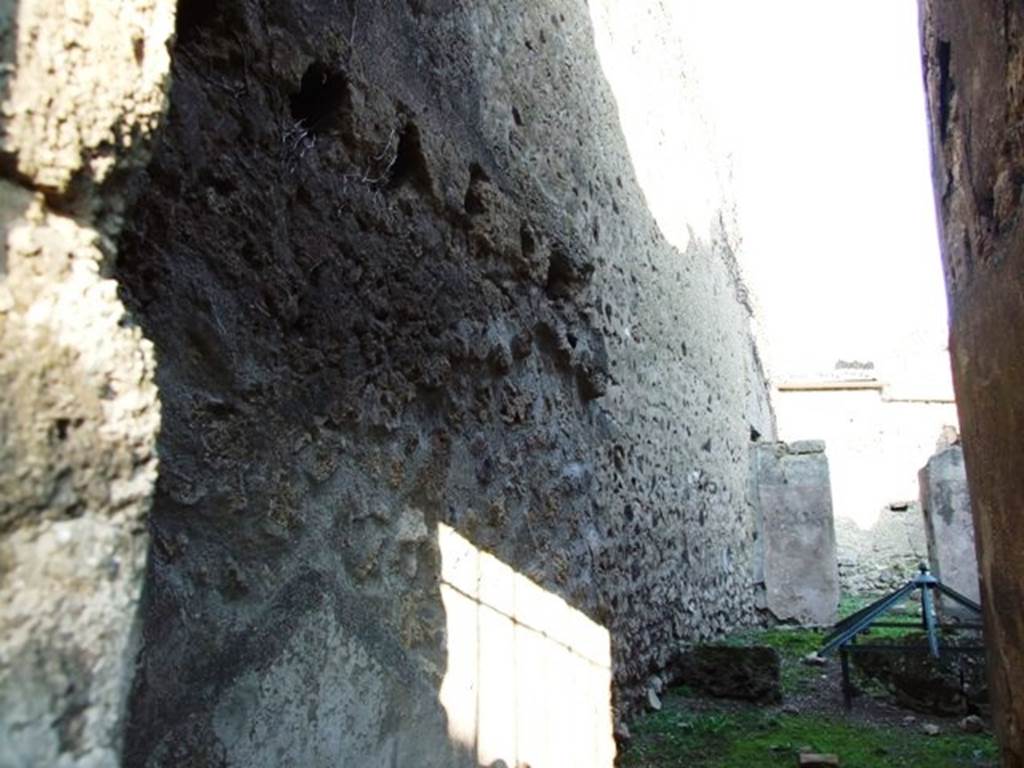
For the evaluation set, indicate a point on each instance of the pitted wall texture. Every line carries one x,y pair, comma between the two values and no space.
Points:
974,67
397,272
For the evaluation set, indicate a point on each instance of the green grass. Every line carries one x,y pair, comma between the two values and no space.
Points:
756,738
850,604
790,643
674,737
793,643
908,611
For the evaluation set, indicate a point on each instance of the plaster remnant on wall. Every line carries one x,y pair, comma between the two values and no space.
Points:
946,504
800,576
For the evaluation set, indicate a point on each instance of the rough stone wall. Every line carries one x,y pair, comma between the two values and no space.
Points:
974,71
798,538
82,88
885,556
394,270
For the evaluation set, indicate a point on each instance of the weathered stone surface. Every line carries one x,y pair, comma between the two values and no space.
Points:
974,71
732,672
798,544
653,700
946,504
82,85
971,724
399,273
806,446
885,556
393,274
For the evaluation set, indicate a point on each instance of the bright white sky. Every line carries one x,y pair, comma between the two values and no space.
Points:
824,105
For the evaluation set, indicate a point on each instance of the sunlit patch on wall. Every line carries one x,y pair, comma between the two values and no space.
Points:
529,676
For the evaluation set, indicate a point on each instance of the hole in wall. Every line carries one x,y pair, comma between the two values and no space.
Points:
63,427
194,17
567,273
473,202
527,242
410,166
323,98
945,88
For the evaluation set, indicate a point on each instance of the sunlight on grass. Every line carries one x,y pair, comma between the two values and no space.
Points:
674,737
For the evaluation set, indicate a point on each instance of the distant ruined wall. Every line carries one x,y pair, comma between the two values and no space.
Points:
974,71
884,557
427,370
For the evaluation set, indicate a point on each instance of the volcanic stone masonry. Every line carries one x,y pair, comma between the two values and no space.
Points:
303,307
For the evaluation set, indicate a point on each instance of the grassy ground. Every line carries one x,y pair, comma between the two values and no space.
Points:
691,732
794,644
674,737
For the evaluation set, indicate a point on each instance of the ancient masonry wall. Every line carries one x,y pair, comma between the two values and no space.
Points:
391,282
974,72
884,557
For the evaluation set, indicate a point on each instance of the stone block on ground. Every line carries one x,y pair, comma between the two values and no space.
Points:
971,724
815,760
747,673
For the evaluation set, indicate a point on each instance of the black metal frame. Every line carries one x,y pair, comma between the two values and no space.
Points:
844,634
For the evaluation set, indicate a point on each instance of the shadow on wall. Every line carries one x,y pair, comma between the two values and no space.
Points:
445,420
